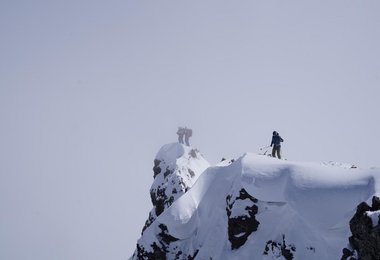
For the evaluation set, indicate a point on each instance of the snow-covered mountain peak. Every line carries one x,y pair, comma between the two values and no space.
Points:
256,207
176,169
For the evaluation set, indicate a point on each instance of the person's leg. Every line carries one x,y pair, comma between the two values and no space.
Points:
274,151
187,141
279,152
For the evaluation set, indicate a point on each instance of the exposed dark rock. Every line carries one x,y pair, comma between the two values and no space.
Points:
375,203
192,257
178,255
157,254
165,236
167,172
191,172
170,182
148,222
158,251
346,254
245,195
229,162
278,249
193,153
362,208
159,199
241,227
156,168
162,197
365,239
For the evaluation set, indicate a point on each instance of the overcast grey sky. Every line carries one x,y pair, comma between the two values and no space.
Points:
90,90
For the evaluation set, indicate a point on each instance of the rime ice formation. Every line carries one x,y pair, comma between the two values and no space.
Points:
258,207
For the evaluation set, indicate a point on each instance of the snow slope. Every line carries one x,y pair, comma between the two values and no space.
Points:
259,207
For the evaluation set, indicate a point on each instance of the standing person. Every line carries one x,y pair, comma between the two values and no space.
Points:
276,142
180,133
188,134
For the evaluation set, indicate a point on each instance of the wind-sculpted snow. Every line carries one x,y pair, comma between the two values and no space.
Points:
309,189
258,207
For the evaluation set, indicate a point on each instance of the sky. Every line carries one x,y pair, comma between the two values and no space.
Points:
90,91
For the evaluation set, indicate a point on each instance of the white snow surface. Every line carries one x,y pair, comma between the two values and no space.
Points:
308,203
374,215
186,163
178,157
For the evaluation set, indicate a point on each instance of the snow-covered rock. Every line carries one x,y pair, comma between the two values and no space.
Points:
365,229
176,168
255,207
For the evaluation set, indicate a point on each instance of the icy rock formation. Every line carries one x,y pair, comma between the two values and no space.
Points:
279,249
241,212
258,207
365,228
176,168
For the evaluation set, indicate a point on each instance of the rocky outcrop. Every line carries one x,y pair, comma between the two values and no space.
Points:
175,170
278,249
365,240
241,212
159,250
163,248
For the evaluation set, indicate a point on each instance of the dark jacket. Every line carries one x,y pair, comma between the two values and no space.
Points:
276,140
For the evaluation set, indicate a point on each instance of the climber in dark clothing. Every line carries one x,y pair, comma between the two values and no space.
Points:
181,132
276,142
188,134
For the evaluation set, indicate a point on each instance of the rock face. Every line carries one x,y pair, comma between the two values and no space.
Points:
176,168
365,229
280,249
240,226
159,250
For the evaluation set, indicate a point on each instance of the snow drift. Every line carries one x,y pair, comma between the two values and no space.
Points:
256,207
